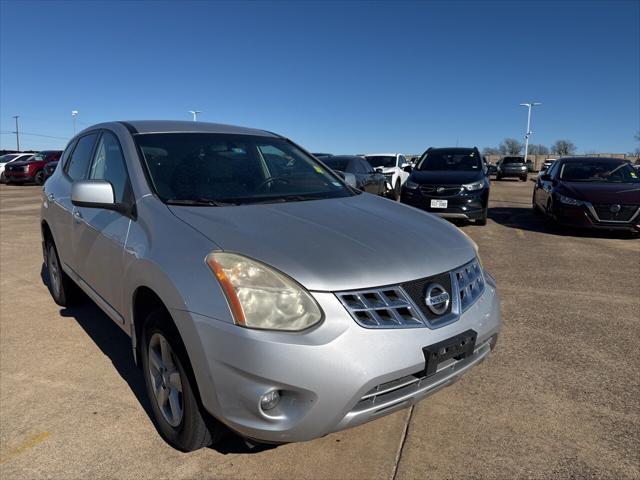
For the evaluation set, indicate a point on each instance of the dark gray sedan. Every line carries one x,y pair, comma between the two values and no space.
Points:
367,179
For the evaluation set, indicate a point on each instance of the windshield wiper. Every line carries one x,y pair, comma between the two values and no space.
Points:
207,202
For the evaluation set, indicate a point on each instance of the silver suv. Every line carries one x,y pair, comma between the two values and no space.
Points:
259,290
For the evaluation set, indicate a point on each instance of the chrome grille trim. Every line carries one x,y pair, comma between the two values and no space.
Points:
392,307
381,308
469,280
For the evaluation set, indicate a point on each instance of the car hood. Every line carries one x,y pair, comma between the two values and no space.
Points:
622,193
336,244
445,178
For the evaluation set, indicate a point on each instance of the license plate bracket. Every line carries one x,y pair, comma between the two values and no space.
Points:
459,347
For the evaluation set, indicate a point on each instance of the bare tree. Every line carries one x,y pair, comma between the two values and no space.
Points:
563,147
490,151
510,146
538,149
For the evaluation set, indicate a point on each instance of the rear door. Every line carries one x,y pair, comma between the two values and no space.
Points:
100,234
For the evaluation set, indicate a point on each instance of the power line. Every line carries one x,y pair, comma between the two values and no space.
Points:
35,135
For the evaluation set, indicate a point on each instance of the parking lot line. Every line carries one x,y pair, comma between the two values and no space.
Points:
24,446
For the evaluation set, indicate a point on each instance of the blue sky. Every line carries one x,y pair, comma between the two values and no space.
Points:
337,77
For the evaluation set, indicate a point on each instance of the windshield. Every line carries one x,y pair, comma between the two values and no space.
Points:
208,168
599,172
336,163
38,157
465,160
384,161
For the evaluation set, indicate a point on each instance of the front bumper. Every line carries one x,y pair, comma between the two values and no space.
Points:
583,217
333,377
18,177
513,173
468,206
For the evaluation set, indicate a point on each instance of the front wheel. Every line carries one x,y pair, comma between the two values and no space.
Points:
39,178
397,189
483,219
524,179
173,399
61,287
498,177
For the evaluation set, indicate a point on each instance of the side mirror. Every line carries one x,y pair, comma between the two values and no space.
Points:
349,179
93,194
408,168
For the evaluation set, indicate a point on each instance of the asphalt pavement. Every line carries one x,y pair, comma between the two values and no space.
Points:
558,398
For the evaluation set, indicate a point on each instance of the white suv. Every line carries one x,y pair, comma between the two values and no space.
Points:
392,165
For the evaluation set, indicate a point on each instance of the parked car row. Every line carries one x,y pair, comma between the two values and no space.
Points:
28,168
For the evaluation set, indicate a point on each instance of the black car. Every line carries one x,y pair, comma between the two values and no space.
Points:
366,178
590,192
451,183
512,167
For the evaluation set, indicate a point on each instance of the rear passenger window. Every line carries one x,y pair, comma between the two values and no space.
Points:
78,164
108,164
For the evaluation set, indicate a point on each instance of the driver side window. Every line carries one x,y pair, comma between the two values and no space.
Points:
108,164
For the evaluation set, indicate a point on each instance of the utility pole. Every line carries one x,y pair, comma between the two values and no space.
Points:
195,114
529,132
17,133
74,114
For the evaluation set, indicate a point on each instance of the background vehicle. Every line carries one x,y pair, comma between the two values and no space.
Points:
249,312
547,163
591,192
392,167
512,167
451,183
49,168
11,157
31,169
367,179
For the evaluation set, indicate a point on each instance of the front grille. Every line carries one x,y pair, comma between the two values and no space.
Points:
441,190
470,283
625,213
404,306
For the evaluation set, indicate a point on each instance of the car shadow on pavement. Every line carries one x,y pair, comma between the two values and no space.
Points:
116,344
525,219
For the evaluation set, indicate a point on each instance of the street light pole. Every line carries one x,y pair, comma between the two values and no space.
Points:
74,114
528,133
195,114
17,133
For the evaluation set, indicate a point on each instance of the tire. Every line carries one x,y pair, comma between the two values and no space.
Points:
170,387
483,220
498,177
534,207
397,190
39,178
525,178
61,287
3,178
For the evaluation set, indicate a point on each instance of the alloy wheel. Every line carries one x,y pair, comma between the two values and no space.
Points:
55,276
166,380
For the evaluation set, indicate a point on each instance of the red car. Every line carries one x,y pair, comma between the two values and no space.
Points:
31,169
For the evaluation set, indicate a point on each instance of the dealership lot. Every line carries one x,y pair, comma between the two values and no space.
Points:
559,396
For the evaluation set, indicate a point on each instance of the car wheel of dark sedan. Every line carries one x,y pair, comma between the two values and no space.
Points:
498,177
524,179
397,190
39,178
483,219
170,388
3,178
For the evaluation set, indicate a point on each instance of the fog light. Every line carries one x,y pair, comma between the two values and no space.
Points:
270,400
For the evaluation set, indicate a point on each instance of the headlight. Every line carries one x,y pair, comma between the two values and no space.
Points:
570,201
261,297
474,186
410,185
